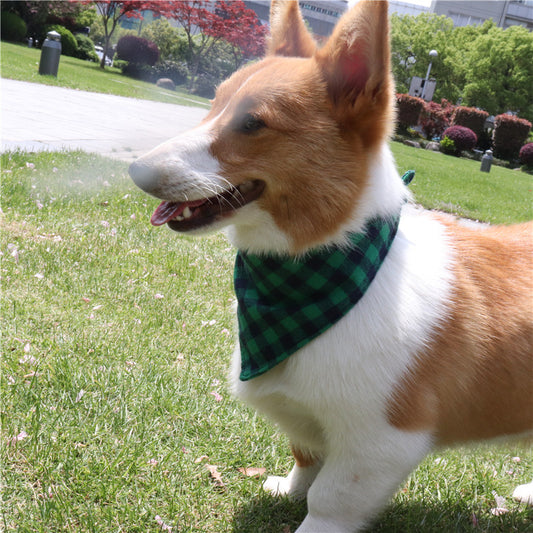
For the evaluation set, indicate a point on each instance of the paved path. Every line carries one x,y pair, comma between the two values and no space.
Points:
42,117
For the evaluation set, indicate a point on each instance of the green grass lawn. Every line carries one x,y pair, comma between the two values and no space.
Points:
22,63
117,338
457,186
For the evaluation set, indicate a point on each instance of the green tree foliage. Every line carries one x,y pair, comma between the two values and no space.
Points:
172,42
411,40
499,71
485,66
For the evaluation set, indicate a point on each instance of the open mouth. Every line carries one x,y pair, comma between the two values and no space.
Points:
186,216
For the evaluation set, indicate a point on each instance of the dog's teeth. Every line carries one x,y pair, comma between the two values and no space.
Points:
245,187
179,218
187,213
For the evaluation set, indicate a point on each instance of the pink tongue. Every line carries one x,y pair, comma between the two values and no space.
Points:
168,210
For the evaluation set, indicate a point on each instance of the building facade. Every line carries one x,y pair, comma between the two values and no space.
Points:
503,13
321,16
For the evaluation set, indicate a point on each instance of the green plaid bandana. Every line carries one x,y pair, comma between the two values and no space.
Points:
284,303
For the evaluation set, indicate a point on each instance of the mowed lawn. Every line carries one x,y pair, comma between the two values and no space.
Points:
116,414
22,63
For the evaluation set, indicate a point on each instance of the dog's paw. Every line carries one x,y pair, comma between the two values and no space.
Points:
277,486
524,493
283,486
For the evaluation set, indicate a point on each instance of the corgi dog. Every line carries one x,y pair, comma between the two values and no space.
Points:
436,348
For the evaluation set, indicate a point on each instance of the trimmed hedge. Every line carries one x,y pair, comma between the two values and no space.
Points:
510,133
137,50
463,138
409,109
471,118
13,27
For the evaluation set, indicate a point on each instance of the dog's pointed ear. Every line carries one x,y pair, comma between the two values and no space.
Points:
356,58
288,34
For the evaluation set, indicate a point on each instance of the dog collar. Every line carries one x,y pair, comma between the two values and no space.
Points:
284,303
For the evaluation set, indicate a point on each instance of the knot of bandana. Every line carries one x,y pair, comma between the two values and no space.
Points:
284,303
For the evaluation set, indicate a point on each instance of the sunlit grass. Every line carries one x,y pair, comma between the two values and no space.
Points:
457,185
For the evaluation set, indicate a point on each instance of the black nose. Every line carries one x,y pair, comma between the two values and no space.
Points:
143,175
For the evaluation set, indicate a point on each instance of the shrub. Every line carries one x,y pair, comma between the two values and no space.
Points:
510,133
175,70
526,155
69,45
435,118
138,71
447,146
85,48
205,85
409,109
470,117
13,27
463,138
137,50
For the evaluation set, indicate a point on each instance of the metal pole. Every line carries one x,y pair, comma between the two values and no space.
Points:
426,81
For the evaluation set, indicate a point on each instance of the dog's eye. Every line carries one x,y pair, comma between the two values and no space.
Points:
251,124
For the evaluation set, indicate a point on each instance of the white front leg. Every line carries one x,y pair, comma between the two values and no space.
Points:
355,484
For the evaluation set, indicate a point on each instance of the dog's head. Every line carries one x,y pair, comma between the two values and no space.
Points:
285,154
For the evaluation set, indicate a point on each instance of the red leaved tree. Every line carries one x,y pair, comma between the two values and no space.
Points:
231,21
241,29
112,11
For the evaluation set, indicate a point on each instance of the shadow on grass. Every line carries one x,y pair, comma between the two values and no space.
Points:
267,514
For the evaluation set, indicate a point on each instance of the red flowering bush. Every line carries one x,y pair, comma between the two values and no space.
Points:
463,138
137,50
526,155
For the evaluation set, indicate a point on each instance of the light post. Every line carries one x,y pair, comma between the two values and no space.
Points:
432,54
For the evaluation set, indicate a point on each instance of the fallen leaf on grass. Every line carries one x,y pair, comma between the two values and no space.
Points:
216,477
162,525
217,396
501,507
252,472
21,436
201,458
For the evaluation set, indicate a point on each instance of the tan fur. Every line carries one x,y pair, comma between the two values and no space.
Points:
289,35
303,459
476,379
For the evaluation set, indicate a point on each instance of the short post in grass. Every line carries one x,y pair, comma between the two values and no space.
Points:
50,54
486,161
